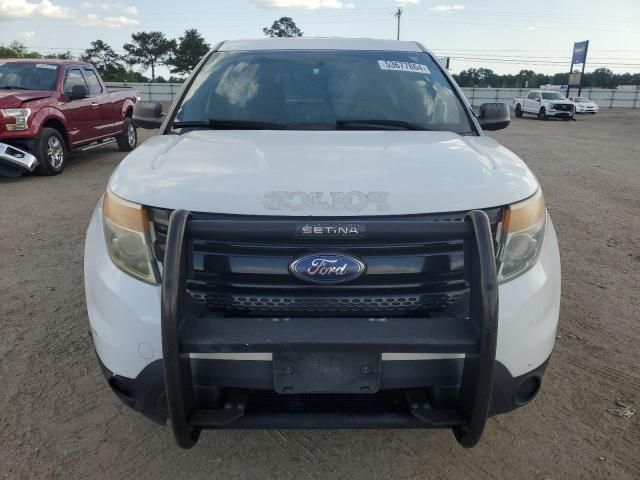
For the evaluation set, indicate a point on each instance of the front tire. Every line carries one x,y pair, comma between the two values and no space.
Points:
542,114
128,139
52,153
518,111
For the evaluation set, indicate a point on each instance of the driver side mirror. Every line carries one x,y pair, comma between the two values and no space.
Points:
78,92
494,116
148,115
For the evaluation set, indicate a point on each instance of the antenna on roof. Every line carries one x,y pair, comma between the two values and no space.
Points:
398,14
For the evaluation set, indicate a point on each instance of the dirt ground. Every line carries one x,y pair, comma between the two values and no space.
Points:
59,419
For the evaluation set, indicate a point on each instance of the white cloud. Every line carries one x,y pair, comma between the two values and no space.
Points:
306,4
447,8
119,16
111,7
25,9
95,20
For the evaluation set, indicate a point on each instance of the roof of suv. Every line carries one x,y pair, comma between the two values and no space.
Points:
320,44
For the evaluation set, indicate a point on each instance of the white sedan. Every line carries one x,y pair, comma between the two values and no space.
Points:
585,105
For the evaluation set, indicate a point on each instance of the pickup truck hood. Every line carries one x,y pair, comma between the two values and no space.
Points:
378,172
15,98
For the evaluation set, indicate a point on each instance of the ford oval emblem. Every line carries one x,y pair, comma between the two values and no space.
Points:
327,268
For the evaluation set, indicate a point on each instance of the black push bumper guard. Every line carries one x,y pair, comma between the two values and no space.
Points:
183,334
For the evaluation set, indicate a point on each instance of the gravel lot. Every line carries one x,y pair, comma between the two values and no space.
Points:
59,419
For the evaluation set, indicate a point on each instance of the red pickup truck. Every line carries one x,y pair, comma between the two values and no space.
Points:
51,107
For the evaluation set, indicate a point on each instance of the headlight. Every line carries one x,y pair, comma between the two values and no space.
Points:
126,231
18,118
523,230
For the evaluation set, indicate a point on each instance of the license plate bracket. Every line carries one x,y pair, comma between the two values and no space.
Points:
334,372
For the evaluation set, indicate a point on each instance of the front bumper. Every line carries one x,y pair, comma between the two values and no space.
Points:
560,113
13,158
125,320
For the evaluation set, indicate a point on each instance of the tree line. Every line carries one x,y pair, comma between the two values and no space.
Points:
151,50
148,50
485,77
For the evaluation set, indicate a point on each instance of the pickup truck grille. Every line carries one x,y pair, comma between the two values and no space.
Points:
563,107
245,277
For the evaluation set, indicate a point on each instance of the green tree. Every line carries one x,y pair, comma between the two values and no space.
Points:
61,56
17,50
189,51
149,49
603,78
105,59
283,27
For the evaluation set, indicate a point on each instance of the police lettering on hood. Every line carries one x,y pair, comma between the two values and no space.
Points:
323,201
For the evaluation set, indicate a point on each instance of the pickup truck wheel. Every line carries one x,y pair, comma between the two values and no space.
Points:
52,153
128,139
518,111
542,114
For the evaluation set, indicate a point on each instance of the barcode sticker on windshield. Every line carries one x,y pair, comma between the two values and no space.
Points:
403,66
45,65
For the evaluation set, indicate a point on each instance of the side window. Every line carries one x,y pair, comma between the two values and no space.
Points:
92,79
74,77
531,96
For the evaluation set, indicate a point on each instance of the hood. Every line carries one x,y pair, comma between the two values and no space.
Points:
330,173
15,98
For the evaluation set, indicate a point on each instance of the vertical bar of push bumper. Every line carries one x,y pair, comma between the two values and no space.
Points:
477,377
177,372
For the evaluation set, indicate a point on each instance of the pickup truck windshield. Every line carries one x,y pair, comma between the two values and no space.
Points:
553,96
322,90
28,76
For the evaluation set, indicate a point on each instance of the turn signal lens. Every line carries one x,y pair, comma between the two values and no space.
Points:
523,229
126,230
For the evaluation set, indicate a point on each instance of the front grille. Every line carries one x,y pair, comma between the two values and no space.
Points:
565,108
248,277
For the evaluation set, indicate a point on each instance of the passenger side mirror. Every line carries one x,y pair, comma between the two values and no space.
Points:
148,115
78,92
494,116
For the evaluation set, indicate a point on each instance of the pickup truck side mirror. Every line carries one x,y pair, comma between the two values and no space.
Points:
494,116
148,115
78,92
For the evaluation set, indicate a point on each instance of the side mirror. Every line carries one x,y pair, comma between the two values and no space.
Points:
494,116
78,92
538,99
148,115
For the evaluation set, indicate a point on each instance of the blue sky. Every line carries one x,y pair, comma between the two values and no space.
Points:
499,34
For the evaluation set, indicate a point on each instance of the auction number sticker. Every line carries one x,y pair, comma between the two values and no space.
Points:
403,66
46,65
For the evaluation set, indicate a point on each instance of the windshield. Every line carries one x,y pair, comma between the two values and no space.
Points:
323,90
553,96
28,76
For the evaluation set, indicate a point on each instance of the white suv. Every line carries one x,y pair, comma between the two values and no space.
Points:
321,235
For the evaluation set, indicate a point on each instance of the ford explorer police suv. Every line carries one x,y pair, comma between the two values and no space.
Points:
321,235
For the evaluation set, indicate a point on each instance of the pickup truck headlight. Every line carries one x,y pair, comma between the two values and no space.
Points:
523,230
20,117
127,233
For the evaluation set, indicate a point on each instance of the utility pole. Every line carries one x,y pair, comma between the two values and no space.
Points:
398,14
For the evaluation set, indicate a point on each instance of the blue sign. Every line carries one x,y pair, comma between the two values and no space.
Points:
580,52
327,268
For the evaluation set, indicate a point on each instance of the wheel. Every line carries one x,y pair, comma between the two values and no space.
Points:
128,139
518,111
542,114
51,152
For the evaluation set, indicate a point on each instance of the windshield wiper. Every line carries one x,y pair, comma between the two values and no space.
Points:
379,124
9,87
222,124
